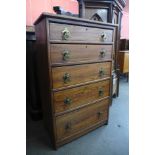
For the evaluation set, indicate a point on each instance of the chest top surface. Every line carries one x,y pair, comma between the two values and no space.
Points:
71,20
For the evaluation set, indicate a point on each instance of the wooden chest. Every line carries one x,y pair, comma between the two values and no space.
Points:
74,58
123,61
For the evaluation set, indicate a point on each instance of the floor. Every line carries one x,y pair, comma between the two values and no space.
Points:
112,139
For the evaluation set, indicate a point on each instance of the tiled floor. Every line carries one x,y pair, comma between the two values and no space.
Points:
112,139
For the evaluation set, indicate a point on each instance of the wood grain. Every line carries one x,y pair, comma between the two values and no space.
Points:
80,95
81,104
80,133
44,79
79,53
123,61
79,33
80,73
78,120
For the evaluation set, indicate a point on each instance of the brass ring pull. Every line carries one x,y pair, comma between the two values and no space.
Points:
100,114
68,126
103,36
101,92
102,53
66,55
101,72
65,34
66,78
67,100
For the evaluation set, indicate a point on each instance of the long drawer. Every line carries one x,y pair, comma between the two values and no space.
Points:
75,53
69,124
79,96
70,75
59,32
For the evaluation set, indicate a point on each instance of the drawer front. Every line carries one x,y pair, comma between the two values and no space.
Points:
74,53
70,75
69,124
59,32
78,96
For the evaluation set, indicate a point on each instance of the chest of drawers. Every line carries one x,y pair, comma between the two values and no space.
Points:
74,63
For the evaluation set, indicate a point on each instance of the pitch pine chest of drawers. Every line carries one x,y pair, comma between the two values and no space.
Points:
74,58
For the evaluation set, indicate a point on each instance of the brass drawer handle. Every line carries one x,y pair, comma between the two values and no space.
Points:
66,77
102,53
100,92
68,126
101,72
66,55
67,101
65,34
100,114
103,36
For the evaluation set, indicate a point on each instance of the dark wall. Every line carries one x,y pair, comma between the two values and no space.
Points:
33,105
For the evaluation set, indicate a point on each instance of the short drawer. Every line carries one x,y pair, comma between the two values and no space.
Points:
59,32
74,122
75,53
79,96
71,75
